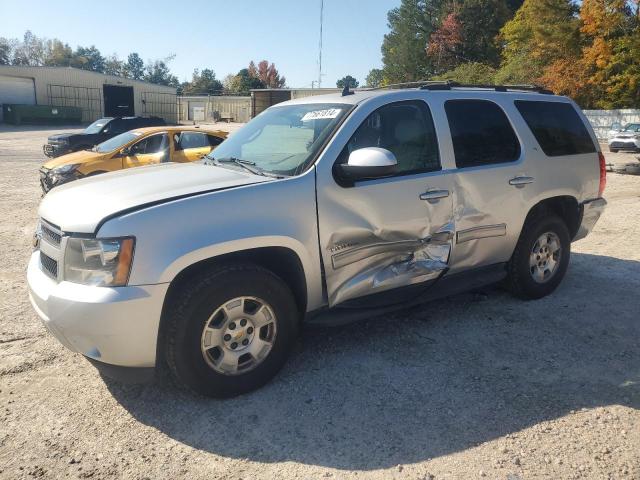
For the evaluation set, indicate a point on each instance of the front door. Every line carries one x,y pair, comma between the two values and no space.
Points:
149,150
190,146
378,235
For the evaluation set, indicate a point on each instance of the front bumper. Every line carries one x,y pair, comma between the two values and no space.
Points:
112,325
591,211
632,144
53,150
48,179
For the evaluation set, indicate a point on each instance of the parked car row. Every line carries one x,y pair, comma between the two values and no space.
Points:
121,143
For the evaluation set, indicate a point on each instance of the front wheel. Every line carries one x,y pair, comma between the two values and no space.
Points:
230,330
541,258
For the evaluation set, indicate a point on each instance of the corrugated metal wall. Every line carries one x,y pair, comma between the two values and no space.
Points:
263,99
64,86
601,120
238,108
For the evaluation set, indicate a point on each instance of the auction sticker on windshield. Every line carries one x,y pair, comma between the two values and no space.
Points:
321,114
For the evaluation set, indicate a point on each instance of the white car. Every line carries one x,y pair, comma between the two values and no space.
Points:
325,209
626,139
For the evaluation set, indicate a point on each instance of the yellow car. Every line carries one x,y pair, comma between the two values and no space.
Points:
135,148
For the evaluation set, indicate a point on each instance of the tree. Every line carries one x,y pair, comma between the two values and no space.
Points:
202,82
231,83
134,67
541,33
158,72
6,51
481,21
403,48
89,58
445,44
348,80
267,73
58,54
470,73
246,82
374,78
114,66
31,51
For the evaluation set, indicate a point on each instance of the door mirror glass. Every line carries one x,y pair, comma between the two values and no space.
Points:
368,163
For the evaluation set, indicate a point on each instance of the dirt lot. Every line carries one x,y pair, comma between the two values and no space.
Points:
477,386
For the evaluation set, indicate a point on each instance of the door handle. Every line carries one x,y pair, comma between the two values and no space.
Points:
520,182
434,195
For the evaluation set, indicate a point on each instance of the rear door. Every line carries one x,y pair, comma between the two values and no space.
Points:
493,180
383,234
150,150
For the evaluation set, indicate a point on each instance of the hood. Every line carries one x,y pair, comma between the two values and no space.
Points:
81,205
83,156
60,136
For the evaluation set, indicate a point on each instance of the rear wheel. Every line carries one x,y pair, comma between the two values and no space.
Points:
230,330
541,258
613,150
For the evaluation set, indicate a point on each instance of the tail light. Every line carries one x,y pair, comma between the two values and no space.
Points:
603,174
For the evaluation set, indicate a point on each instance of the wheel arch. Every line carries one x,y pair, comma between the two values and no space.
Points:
282,261
566,207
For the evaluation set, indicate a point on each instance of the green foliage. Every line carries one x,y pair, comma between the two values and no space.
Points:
481,22
158,72
374,78
134,68
5,51
88,59
470,73
347,80
204,82
404,47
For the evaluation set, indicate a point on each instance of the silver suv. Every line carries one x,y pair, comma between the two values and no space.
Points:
320,210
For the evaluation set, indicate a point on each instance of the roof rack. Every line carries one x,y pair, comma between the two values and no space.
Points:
448,85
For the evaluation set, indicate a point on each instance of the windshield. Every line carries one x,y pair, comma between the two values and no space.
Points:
116,142
282,140
632,127
96,126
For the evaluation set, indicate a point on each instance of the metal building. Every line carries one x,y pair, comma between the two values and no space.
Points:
98,95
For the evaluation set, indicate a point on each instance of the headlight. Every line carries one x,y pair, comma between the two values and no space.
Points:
65,169
102,262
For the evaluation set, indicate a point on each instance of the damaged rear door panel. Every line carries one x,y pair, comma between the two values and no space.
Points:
386,233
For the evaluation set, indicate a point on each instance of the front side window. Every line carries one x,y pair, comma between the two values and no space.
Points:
481,133
149,145
282,140
116,142
405,129
557,127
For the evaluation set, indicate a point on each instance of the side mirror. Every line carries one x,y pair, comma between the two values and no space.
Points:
125,152
368,163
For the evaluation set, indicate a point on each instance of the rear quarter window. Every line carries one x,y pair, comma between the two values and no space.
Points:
557,127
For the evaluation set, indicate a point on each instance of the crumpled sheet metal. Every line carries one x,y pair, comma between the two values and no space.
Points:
382,265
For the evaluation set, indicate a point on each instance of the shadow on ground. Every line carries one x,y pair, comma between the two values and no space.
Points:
426,382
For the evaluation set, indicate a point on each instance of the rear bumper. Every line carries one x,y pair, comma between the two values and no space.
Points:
116,326
591,211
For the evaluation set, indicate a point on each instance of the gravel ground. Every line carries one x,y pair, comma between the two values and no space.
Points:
476,386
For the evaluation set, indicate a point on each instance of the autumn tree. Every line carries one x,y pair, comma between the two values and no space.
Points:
267,73
114,66
445,44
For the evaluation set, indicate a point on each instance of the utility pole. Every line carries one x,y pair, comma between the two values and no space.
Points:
320,49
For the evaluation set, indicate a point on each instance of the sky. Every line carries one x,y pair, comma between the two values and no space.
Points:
221,35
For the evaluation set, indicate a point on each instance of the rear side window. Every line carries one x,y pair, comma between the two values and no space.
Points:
192,140
214,141
481,133
557,127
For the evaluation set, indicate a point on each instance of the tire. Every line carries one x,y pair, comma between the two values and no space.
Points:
523,279
613,150
209,300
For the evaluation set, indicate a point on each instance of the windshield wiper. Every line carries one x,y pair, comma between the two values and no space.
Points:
246,164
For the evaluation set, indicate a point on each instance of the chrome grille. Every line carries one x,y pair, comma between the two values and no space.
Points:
50,235
49,265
